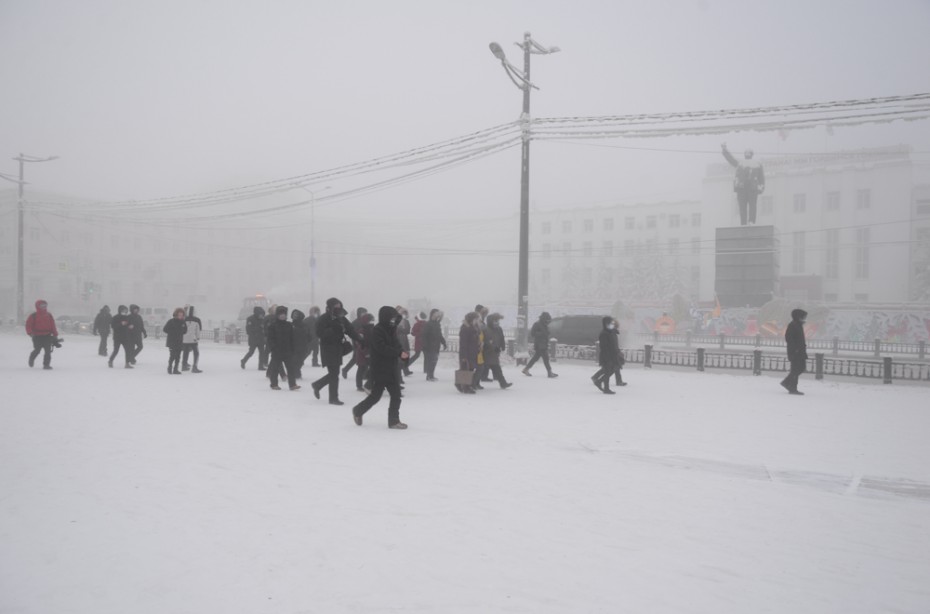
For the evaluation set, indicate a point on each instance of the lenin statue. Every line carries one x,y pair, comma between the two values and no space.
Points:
748,183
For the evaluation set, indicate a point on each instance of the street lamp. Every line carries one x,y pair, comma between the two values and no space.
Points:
522,81
20,293
312,232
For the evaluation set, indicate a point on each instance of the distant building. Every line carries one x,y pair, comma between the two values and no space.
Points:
853,227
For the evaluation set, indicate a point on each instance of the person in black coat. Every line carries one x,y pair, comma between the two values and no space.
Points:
363,353
432,340
332,328
310,325
356,326
301,342
255,331
609,359
102,328
120,325
174,330
386,355
494,345
280,337
136,332
797,351
540,335
469,347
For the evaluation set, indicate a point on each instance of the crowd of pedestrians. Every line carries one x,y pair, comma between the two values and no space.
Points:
380,351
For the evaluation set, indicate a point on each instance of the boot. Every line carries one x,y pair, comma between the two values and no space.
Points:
553,375
597,382
398,426
506,385
176,372
185,367
242,363
196,370
526,372
110,363
607,390
128,366
336,402
169,369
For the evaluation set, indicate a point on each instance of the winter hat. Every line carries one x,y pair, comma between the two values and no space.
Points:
421,315
367,318
190,311
280,310
41,304
106,308
258,312
332,304
495,317
470,317
358,312
297,316
122,309
387,315
606,320
133,308
798,314
545,316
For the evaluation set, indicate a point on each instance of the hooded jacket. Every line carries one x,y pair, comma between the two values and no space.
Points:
384,347
331,328
301,335
281,335
609,345
794,336
540,332
417,332
194,327
469,343
136,323
41,323
174,330
120,324
432,336
363,347
255,326
102,322
494,341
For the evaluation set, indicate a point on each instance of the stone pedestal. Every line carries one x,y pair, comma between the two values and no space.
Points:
746,271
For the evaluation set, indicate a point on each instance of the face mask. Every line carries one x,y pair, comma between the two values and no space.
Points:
282,316
610,327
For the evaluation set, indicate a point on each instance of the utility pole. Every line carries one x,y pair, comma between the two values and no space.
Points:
312,237
522,81
20,290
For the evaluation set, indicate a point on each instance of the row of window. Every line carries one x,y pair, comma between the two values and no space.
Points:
607,247
832,253
607,224
605,275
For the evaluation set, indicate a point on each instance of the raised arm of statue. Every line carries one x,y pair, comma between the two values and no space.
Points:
726,154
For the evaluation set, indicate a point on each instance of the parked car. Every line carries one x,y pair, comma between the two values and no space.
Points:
576,330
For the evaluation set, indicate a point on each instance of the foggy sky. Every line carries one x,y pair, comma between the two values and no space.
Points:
151,100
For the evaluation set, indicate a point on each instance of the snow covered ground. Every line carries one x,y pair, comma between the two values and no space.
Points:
131,491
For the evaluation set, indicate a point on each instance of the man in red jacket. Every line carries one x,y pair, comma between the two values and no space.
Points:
40,325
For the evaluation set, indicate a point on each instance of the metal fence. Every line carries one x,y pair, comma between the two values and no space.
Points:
835,345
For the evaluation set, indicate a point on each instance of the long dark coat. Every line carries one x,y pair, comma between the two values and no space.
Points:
540,334
281,339
174,330
468,346
332,330
432,336
494,343
609,343
385,348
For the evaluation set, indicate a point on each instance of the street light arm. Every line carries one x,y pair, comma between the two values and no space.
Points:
13,179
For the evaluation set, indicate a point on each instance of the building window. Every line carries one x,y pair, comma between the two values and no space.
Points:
767,205
695,219
589,225
862,253
798,252
547,228
608,223
566,227
696,245
673,246
608,250
800,203
674,221
587,249
832,255
630,223
547,250
863,198
833,201
650,221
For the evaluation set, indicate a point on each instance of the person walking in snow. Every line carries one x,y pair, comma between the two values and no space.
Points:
40,325
121,339
797,351
540,335
494,345
332,328
136,332
432,341
102,328
255,332
417,332
191,341
403,337
469,346
386,354
301,343
310,325
609,358
174,330
482,371
363,353
281,343
356,326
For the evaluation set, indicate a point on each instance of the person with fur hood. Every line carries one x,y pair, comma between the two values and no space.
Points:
40,325
332,328
386,355
797,351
